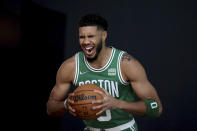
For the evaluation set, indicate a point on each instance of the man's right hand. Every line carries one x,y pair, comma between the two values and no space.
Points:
69,104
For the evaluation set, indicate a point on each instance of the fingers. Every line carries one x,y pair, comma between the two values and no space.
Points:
100,112
99,92
70,98
97,101
97,107
102,93
102,107
72,113
69,103
71,95
105,91
71,110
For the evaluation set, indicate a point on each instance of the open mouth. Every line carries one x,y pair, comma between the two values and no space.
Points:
88,50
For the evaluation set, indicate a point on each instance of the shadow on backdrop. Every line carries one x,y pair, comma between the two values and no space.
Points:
160,34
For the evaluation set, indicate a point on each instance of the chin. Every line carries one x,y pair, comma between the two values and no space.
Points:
91,58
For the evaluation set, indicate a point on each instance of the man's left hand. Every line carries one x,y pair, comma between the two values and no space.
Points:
108,102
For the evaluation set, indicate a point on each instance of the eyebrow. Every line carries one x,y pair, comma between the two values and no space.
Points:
89,36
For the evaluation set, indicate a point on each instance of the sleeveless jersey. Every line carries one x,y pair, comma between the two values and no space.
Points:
108,77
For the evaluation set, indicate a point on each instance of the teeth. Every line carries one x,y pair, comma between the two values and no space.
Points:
88,48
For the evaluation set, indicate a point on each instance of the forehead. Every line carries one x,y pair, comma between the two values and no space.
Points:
88,29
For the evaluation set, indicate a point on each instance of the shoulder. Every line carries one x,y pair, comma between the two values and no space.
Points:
130,66
67,70
127,59
69,63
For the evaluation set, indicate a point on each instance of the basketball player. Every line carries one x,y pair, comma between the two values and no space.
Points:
119,74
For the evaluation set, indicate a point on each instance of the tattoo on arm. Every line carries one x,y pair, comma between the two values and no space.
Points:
127,57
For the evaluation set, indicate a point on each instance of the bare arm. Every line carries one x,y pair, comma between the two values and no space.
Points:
133,71
64,78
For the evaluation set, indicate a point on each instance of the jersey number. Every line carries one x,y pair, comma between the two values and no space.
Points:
105,118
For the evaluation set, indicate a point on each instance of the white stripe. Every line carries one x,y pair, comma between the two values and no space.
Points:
104,67
93,129
76,68
117,128
123,126
119,69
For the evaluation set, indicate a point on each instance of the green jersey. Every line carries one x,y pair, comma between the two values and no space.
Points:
110,78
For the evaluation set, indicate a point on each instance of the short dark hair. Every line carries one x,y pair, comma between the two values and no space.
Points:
93,20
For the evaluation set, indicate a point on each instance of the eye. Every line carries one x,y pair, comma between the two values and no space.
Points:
81,37
90,36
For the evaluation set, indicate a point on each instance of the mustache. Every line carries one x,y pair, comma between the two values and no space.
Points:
87,44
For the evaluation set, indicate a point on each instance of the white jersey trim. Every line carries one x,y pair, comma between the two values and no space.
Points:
76,68
127,125
104,67
119,69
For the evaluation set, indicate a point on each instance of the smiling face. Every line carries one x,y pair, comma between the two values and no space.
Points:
91,40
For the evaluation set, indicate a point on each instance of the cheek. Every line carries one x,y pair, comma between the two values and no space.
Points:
98,40
80,42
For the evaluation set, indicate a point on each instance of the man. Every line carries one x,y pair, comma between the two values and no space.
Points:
118,73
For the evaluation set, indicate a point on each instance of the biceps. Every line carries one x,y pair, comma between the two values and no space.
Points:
60,91
144,90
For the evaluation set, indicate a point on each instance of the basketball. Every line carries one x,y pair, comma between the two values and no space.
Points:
84,95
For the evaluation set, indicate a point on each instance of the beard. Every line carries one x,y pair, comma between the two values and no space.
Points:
98,50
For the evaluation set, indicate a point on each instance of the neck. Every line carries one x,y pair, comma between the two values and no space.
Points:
102,58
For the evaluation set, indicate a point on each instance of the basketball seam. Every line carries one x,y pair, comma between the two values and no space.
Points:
87,90
81,104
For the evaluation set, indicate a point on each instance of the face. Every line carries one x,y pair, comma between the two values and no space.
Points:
91,41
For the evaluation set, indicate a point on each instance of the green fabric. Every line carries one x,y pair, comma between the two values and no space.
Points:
109,78
133,128
152,108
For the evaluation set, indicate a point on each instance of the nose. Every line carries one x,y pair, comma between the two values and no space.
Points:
86,40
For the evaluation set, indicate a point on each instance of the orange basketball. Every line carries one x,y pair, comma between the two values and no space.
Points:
84,95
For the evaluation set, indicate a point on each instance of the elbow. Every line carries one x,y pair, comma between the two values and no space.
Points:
49,111
53,112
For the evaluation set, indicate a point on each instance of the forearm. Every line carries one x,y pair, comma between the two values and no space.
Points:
55,108
138,108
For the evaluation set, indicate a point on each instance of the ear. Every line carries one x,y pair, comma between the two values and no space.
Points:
104,35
